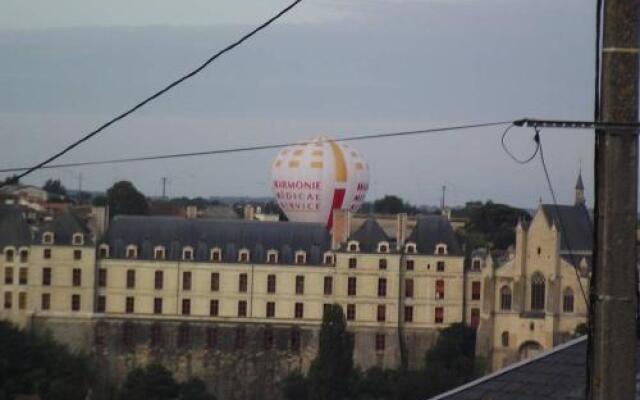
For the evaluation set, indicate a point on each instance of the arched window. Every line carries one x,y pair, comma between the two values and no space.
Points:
272,256
537,292
159,253
505,298
301,257
410,248
243,256
216,254
441,249
78,239
187,253
383,247
505,339
103,251
8,255
328,258
132,251
47,238
567,300
354,246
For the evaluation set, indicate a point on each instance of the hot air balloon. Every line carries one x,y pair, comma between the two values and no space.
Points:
311,180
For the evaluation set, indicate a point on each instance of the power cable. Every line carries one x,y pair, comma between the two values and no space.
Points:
158,93
258,147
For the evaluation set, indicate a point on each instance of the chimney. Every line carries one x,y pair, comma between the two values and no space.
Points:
192,211
341,227
248,212
99,221
401,230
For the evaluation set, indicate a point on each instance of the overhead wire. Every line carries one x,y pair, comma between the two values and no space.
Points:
157,94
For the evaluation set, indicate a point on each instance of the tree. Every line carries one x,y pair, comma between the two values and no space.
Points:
331,372
390,204
124,198
151,383
194,389
490,224
54,186
295,386
11,180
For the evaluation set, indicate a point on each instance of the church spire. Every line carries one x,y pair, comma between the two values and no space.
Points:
579,200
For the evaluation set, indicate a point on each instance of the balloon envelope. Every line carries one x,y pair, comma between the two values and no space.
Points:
310,180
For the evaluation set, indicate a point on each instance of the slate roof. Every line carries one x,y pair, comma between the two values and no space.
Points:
204,234
579,184
14,230
369,234
431,230
576,221
64,227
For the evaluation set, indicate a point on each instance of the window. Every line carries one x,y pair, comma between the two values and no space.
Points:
505,339
539,250
410,265
381,313
184,336
537,292
351,312
271,283
301,257
158,280
8,275
243,256
242,283
380,341
353,262
22,300
295,339
104,251
77,254
214,308
268,339
505,298
156,335
24,256
382,287
272,257
271,309
441,249
382,263
46,276
158,253
383,247
299,310
475,318
157,305
77,277
212,338
8,255
102,277
326,309
475,265
408,288
299,284
440,266
131,279
241,338
78,239
186,280
47,238
75,302
187,254
351,286
242,308
410,248
46,254
8,300
408,313
328,259
129,305
353,246
439,289
216,255
23,276
186,306
475,290
439,315
101,304
328,285
215,281
132,252
567,300
45,301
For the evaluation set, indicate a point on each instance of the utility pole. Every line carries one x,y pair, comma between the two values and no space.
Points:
164,187
612,339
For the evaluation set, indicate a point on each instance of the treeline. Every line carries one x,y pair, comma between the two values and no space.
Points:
333,376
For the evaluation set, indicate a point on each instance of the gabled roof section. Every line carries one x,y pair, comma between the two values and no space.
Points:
369,234
65,226
229,235
577,223
431,230
14,230
579,184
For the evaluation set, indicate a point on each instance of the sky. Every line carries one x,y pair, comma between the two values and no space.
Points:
330,67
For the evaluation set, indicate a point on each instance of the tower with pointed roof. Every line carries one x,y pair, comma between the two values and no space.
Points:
579,198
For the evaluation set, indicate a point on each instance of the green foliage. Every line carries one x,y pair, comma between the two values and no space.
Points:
124,198
581,330
34,364
194,389
490,225
390,204
155,382
11,180
331,372
55,187
295,386
99,201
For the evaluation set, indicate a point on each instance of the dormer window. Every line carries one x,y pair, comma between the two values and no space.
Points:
475,264
132,252
328,258
24,255
301,257
78,239
383,247
103,251
159,253
216,255
410,248
47,238
353,246
8,255
272,256
243,256
187,253
441,249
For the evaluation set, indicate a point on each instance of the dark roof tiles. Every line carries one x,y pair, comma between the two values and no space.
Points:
14,230
577,223
369,235
431,230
